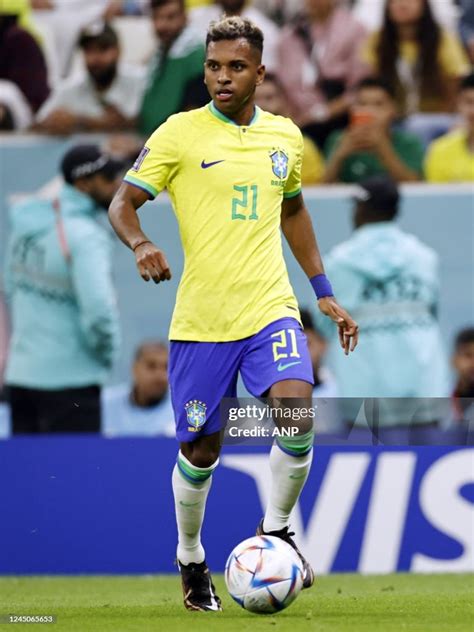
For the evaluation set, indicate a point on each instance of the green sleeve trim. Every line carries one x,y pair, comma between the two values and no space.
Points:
292,194
141,185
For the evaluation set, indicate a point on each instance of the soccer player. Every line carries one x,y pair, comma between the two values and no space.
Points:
233,174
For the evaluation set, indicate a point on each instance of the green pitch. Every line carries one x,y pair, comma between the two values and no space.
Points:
338,603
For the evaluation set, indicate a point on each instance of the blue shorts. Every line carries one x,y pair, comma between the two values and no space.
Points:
201,374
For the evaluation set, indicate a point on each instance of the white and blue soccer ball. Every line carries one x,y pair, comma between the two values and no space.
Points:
264,574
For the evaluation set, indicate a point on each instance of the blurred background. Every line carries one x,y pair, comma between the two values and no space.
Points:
383,91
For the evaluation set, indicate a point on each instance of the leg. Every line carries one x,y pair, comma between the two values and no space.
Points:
192,476
278,365
290,457
201,374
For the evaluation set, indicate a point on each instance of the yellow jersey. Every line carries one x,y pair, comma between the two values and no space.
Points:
449,159
226,183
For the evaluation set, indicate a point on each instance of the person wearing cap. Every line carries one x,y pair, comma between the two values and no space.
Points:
58,286
105,97
370,145
389,280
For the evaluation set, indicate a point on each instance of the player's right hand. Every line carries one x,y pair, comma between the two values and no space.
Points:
151,263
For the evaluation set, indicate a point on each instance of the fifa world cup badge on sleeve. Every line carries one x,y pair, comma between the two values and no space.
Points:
196,415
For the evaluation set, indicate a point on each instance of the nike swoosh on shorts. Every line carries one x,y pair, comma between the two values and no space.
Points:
282,367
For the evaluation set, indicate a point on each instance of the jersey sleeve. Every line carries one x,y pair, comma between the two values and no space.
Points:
293,183
157,162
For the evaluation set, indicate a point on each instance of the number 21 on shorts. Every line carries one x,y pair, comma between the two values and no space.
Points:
285,345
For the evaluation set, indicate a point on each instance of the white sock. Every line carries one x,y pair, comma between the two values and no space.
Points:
289,474
190,503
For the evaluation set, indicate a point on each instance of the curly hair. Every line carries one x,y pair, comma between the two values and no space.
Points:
233,28
428,37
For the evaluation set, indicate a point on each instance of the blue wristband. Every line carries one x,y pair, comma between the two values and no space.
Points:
321,286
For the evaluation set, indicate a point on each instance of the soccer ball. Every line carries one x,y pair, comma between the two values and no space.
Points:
264,574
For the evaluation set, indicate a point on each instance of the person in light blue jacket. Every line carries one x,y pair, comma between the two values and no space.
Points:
389,281
58,283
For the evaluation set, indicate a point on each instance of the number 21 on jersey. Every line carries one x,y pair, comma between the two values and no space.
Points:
285,345
245,202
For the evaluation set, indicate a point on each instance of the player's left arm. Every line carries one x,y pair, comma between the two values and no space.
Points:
298,230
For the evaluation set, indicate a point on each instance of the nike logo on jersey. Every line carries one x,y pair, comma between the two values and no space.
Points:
206,165
282,367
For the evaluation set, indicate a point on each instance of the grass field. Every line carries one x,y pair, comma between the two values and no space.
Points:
338,603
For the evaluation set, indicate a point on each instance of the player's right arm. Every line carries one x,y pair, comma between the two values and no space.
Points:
151,262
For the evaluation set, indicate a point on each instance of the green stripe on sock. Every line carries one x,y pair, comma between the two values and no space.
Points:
298,445
199,474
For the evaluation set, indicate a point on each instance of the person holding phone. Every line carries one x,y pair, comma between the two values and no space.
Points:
370,146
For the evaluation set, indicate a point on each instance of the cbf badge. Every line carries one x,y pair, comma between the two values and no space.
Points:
196,415
279,163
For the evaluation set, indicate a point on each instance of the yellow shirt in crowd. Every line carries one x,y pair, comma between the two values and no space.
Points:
226,183
449,159
452,59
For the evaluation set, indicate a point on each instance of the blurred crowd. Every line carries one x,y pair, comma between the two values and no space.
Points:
377,87
383,91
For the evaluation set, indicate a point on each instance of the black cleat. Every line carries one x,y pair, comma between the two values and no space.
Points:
198,590
285,535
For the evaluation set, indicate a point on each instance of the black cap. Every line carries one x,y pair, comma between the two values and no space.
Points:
379,193
99,33
82,161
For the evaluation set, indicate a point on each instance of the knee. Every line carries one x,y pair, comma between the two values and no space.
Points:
203,457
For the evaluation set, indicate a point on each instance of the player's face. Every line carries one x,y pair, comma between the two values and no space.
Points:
101,63
233,70
377,103
466,107
168,22
270,98
406,11
150,374
463,362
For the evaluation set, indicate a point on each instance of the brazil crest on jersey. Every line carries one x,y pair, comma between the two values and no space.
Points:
226,183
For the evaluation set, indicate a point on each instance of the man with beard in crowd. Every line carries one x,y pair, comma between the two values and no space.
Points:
106,97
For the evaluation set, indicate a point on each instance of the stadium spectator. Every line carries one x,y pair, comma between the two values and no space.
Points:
451,157
319,65
58,283
370,145
466,26
390,281
463,364
105,97
201,17
371,13
270,96
144,408
61,21
178,62
421,61
21,59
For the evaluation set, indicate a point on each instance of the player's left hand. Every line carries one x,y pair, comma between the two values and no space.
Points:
347,327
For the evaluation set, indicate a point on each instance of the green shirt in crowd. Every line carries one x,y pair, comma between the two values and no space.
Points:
365,164
169,76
